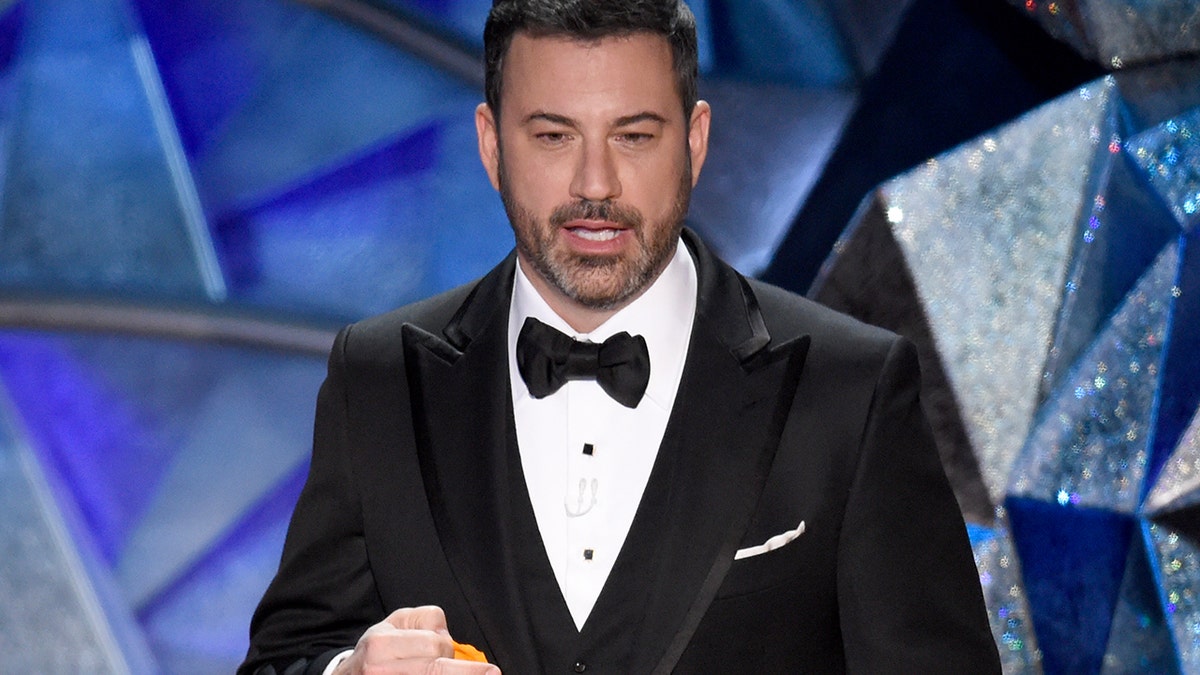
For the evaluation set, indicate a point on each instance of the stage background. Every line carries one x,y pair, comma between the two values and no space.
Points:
195,194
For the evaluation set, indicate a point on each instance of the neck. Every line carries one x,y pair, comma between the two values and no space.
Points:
582,320
579,317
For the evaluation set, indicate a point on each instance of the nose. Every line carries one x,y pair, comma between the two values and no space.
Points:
596,176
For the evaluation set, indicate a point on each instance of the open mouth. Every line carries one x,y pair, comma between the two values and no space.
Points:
595,235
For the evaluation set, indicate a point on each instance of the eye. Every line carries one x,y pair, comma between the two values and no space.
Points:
635,138
552,137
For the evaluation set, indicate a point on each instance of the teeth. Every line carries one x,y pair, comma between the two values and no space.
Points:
596,235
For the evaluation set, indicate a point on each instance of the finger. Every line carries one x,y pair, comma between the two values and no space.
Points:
456,667
393,644
428,617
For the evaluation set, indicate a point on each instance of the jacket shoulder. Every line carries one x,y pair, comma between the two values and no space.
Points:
789,315
377,339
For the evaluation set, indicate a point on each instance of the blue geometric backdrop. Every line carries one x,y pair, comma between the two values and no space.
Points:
1047,271
194,194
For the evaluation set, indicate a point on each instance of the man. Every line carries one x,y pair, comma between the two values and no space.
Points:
767,499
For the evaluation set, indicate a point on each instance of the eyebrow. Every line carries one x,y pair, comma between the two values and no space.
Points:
548,117
555,118
641,117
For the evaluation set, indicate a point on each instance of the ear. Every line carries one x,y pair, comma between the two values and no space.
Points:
698,137
489,142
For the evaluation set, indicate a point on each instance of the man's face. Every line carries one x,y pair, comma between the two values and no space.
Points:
595,162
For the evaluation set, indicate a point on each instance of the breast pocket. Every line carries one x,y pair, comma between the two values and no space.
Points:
763,564
772,543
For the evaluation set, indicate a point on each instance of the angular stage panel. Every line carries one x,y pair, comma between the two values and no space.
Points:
12,16
1120,33
987,234
1180,395
1127,33
245,431
212,56
1172,531
197,625
463,19
869,27
1176,562
1154,94
1089,446
1169,154
364,237
108,441
1004,593
1072,563
106,202
1087,364
1124,226
352,242
1140,640
1178,484
166,450
309,112
51,597
783,86
767,150
782,41
335,188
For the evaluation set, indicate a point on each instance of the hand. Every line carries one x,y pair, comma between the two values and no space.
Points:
411,641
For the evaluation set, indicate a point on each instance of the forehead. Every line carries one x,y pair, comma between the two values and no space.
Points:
614,74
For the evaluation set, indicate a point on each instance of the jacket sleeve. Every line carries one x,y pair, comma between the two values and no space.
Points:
323,596
909,595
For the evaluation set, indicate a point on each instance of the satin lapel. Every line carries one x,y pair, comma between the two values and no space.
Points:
728,416
720,453
462,411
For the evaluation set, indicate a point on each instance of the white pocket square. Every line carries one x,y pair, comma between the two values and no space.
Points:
771,544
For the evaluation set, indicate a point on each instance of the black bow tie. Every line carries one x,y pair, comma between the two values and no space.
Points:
547,359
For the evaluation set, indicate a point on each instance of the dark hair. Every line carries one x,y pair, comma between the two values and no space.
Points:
591,20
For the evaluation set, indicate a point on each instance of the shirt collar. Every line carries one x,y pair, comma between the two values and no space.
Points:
663,315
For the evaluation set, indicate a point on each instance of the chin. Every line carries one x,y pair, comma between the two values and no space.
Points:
609,293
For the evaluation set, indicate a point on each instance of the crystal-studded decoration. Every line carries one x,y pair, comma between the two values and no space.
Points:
1139,640
1000,576
1170,156
1072,566
1179,483
981,234
1120,33
1089,447
987,252
1178,556
1172,532
1053,266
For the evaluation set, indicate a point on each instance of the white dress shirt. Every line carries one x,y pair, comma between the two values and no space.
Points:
587,458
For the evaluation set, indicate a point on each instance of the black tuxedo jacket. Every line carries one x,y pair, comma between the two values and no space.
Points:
787,413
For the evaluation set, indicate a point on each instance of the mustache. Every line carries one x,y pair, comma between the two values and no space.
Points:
606,210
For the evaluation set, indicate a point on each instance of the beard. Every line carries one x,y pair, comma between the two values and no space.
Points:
599,282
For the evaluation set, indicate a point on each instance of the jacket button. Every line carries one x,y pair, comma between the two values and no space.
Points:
580,666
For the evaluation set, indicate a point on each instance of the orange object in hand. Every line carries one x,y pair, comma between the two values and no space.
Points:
464,652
